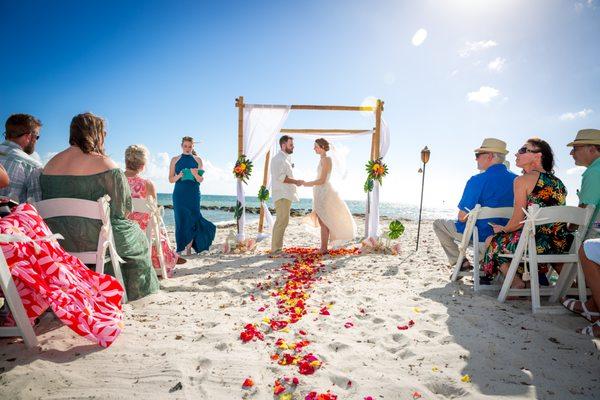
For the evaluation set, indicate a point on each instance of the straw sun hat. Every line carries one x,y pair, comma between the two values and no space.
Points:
586,136
491,145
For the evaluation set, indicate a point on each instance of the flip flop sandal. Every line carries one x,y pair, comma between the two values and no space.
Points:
587,314
570,305
589,330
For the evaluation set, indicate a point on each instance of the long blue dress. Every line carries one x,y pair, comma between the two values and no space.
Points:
190,225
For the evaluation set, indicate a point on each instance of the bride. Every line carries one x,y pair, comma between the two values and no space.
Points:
330,212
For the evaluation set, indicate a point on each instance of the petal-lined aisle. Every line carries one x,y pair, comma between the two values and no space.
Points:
298,278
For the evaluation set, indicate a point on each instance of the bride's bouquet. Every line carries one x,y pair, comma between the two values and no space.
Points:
379,246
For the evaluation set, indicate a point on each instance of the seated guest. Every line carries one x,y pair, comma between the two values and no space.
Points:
493,187
84,171
586,153
136,157
537,185
40,272
589,255
22,133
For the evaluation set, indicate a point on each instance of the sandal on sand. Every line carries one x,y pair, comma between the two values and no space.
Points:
589,330
587,314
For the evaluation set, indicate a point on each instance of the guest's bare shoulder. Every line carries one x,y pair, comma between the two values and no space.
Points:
73,162
54,161
175,159
527,180
199,161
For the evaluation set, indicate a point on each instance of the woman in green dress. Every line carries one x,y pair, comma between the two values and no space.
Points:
84,171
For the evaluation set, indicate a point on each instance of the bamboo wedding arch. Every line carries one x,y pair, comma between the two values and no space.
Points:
375,132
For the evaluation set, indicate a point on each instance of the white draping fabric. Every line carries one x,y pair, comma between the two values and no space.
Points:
373,217
261,126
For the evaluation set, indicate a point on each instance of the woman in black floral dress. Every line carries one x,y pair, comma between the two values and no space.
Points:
537,185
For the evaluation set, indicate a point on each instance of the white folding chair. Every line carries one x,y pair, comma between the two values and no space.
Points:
526,252
11,296
471,234
150,207
98,210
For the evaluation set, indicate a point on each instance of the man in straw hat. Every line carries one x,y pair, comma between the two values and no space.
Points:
586,153
493,187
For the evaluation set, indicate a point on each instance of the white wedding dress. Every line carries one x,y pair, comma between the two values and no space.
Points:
332,210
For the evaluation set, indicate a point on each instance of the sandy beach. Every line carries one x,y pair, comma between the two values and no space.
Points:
184,342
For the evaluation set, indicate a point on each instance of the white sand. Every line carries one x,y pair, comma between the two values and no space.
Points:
189,333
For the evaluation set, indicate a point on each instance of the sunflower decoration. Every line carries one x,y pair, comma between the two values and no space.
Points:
243,168
376,170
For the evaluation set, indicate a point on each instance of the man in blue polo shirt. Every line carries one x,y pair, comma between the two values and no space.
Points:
493,187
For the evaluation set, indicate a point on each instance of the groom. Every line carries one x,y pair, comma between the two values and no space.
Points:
284,190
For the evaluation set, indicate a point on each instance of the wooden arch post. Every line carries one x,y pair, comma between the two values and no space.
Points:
239,103
375,152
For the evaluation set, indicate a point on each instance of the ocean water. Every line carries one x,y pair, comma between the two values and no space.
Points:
392,210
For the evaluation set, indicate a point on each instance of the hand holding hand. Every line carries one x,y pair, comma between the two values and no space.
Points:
300,182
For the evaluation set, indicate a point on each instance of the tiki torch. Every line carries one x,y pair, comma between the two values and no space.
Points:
425,153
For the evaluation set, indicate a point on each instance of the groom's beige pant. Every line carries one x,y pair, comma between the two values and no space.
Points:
282,213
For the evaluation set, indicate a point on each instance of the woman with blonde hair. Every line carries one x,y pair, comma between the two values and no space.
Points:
136,159
192,230
330,213
84,171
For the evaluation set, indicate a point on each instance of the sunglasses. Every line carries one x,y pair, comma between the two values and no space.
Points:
479,154
524,150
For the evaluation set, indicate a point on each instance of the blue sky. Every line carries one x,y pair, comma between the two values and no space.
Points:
159,70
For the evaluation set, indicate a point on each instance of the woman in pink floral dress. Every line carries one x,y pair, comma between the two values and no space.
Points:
136,157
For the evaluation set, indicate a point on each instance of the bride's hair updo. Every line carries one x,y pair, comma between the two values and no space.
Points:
324,144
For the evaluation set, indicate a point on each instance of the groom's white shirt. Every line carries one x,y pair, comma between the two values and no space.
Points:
281,166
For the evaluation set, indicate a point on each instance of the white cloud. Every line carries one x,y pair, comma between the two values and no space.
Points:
419,37
497,64
575,171
454,73
472,47
570,116
484,95
579,6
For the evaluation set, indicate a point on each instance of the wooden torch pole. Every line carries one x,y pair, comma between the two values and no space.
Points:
425,153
